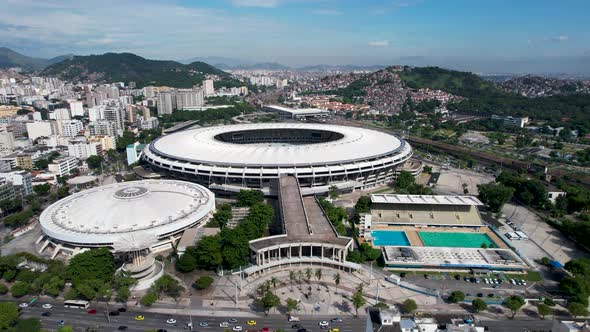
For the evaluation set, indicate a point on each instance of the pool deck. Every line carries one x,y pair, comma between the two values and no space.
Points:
416,241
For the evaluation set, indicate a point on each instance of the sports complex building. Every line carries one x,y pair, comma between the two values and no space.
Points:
234,157
133,219
435,232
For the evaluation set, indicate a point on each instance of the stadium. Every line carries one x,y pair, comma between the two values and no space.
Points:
234,157
132,219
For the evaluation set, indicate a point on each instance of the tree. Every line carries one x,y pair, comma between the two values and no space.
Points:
308,274
409,306
291,305
333,192
456,296
479,305
148,299
577,309
167,285
318,274
514,303
337,279
203,282
8,314
543,310
123,293
249,197
42,189
268,301
207,252
186,263
545,260
20,289
95,264
94,162
404,180
3,289
292,277
358,300
28,325
494,195
427,169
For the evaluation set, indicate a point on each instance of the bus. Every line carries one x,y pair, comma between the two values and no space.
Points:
76,304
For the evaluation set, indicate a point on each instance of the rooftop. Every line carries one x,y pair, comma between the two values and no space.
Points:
425,199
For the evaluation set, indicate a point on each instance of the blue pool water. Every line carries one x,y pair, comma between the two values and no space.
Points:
390,238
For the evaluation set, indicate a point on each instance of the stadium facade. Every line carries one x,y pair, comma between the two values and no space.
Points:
234,157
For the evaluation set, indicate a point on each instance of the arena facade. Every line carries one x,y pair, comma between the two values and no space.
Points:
234,157
133,219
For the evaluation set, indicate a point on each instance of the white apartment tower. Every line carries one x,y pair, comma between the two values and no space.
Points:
209,87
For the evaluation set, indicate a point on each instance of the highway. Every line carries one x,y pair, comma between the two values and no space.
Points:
80,320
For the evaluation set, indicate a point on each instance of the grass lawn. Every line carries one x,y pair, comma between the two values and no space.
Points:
530,276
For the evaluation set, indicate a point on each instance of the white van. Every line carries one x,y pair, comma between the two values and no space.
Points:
294,319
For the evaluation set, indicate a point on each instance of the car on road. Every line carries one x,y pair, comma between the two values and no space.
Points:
324,323
251,322
91,311
171,321
293,319
61,323
334,330
303,330
46,306
296,326
114,313
264,329
336,320
122,310
162,330
233,320
46,314
224,324
23,305
139,317
237,328
203,324
122,328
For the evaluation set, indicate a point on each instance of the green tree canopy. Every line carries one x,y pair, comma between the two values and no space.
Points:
543,310
8,314
577,309
409,306
514,303
358,301
20,289
291,305
494,195
479,305
95,264
203,282
28,325
250,197
186,263
456,296
268,301
94,162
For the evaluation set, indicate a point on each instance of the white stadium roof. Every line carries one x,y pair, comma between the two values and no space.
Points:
425,199
201,146
128,215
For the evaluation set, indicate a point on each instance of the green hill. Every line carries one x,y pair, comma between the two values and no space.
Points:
456,82
128,67
10,58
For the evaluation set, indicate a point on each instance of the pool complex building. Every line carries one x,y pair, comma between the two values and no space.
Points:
435,233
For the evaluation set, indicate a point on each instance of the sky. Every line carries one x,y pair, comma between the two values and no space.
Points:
492,36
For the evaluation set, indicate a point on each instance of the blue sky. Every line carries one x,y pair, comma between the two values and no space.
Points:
478,35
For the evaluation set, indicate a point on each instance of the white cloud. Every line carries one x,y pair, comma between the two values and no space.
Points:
256,3
153,29
379,43
327,12
560,38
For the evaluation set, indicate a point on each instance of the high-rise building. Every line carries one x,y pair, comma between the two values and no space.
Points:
6,140
96,113
37,129
71,128
106,142
146,112
209,87
189,98
116,115
102,128
148,92
76,108
149,123
85,150
21,182
130,113
63,166
166,103
60,114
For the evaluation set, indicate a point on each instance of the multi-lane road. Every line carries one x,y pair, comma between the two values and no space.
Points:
80,320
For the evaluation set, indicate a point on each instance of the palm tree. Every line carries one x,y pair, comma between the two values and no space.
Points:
274,281
308,274
292,278
337,280
299,278
318,275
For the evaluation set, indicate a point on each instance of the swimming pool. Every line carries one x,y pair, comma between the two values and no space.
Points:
390,238
455,239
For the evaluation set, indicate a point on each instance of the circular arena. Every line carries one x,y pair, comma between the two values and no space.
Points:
133,219
252,155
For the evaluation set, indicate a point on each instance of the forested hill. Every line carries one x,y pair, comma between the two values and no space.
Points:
488,98
128,67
